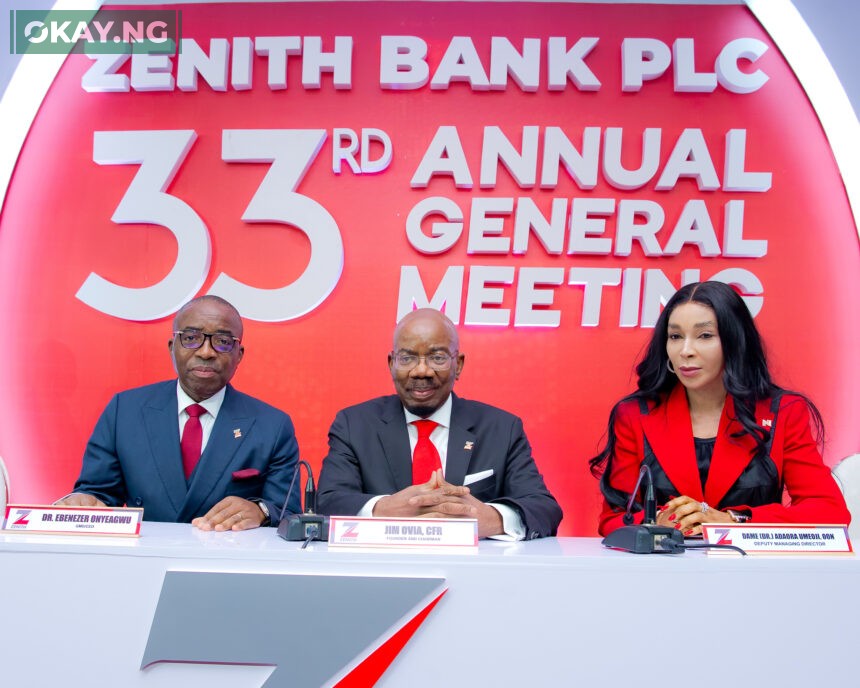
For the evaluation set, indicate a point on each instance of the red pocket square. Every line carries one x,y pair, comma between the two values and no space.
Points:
245,473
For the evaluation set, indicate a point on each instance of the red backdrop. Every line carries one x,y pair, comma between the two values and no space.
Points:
64,358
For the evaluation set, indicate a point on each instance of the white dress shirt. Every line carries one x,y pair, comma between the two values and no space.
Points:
207,420
512,523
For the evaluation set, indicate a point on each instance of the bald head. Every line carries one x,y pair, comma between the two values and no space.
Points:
427,318
205,370
425,360
212,299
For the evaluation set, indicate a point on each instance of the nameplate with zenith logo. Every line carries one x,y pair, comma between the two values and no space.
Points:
72,520
428,534
779,538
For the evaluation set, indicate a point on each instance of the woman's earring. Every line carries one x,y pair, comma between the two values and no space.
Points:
669,366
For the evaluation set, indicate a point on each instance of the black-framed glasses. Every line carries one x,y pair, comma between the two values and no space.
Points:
193,339
438,360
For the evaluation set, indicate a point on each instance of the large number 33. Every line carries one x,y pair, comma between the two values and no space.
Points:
160,154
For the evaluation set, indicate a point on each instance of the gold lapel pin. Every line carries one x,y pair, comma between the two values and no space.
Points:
468,446
237,433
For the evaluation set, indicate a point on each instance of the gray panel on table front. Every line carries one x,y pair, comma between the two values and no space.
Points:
310,627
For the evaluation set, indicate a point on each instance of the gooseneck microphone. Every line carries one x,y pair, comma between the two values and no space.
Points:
650,516
647,537
310,492
308,525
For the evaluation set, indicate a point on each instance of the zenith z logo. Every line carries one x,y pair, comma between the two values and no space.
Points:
351,530
22,517
723,536
383,613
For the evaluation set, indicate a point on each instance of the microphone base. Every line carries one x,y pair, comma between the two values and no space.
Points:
645,539
298,527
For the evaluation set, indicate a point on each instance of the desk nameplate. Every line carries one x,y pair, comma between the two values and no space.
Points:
779,538
429,534
72,520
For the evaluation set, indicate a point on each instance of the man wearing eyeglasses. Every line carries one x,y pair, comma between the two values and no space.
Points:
427,452
193,449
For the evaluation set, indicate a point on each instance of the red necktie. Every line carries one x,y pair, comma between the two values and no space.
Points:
425,459
192,438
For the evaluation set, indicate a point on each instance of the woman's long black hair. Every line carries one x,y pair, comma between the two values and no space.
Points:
745,376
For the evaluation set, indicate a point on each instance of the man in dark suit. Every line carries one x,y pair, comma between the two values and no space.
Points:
238,474
484,467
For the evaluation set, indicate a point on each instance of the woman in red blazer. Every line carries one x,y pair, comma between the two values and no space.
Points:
721,439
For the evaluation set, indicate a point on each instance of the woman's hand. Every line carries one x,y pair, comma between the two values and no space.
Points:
687,515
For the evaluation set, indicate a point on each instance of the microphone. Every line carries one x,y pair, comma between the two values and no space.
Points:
647,537
310,492
308,525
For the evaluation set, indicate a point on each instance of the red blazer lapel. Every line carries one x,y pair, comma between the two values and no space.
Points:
670,433
731,454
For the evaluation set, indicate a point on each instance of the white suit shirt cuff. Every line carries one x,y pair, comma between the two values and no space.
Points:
512,523
367,510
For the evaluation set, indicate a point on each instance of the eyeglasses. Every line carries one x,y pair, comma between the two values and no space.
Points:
193,339
439,360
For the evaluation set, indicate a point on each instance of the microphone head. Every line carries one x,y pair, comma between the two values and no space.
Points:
310,491
650,504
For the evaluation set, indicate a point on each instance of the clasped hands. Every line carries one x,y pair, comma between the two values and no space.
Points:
438,498
686,514
231,513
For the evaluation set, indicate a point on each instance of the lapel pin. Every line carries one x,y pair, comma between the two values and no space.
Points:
468,446
237,433
767,422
